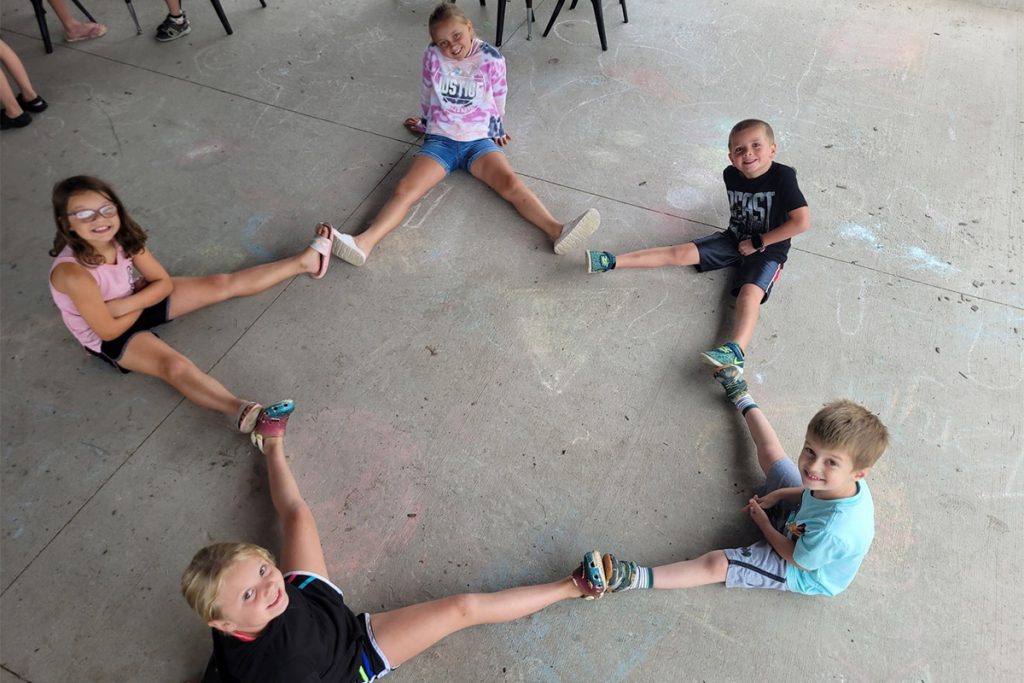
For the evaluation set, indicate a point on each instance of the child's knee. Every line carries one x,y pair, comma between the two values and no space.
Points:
462,608
750,292
685,254
717,564
176,367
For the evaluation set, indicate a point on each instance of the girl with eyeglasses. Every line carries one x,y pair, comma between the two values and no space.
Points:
112,292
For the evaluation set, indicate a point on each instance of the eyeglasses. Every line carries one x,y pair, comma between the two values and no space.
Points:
89,215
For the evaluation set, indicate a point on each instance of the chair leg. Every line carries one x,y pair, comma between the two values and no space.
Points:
554,15
135,18
264,3
84,11
599,15
573,5
44,31
529,19
501,22
625,16
223,17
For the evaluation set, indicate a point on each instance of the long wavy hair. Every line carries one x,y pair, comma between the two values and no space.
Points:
130,235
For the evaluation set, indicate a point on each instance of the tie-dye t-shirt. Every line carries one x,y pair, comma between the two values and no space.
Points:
465,99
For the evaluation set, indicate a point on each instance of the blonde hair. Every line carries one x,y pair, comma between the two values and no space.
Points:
204,577
750,123
445,11
853,429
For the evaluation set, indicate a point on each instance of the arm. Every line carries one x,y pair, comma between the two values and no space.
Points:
499,88
158,287
780,543
301,549
789,495
75,281
799,221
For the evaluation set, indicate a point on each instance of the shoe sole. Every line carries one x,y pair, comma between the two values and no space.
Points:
708,360
346,252
586,225
179,35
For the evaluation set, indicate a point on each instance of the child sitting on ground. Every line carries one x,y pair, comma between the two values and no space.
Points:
111,291
766,210
292,624
462,104
817,516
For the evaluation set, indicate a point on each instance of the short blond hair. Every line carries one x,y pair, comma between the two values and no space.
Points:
204,577
751,123
853,429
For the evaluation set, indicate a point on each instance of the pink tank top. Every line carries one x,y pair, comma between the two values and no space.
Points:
115,281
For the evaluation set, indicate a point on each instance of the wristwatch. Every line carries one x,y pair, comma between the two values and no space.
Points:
758,242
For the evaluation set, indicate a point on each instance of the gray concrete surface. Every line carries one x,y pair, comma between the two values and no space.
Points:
557,412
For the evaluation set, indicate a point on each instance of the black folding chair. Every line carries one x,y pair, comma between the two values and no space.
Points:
598,16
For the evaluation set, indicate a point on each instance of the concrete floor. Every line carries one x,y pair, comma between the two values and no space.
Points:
474,412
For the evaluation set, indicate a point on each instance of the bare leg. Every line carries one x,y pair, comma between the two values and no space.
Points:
678,255
706,569
423,175
748,308
497,173
769,449
150,355
73,28
405,632
7,98
173,7
193,293
14,66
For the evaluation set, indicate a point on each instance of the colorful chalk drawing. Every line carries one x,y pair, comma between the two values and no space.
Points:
366,483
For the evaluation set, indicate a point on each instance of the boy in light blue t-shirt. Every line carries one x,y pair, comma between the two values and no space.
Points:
817,516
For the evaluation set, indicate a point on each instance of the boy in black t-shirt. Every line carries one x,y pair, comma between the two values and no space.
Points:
766,210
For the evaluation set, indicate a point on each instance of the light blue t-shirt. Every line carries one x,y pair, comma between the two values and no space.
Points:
836,537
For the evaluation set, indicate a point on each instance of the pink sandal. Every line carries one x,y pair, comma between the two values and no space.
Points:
323,246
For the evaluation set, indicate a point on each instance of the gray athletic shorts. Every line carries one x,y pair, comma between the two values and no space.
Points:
758,565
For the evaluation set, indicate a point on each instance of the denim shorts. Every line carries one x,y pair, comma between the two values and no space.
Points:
721,250
452,154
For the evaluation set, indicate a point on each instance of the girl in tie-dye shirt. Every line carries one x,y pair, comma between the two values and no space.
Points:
462,111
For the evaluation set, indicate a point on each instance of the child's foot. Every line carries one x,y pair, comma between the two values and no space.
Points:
589,576
574,234
623,575
173,28
19,121
35,105
600,261
272,423
728,353
247,416
346,249
82,32
735,387
317,257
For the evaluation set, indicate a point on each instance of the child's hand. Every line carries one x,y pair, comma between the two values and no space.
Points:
503,140
768,500
746,248
757,513
414,124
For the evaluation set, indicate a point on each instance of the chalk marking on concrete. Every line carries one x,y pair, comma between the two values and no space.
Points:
442,192
860,310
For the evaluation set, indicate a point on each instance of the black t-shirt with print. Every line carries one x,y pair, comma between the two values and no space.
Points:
761,204
317,638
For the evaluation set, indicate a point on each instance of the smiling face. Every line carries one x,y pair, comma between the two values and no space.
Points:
252,593
751,151
453,36
828,473
99,231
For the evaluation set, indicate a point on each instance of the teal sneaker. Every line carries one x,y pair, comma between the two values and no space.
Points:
600,261
727,354
731,379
